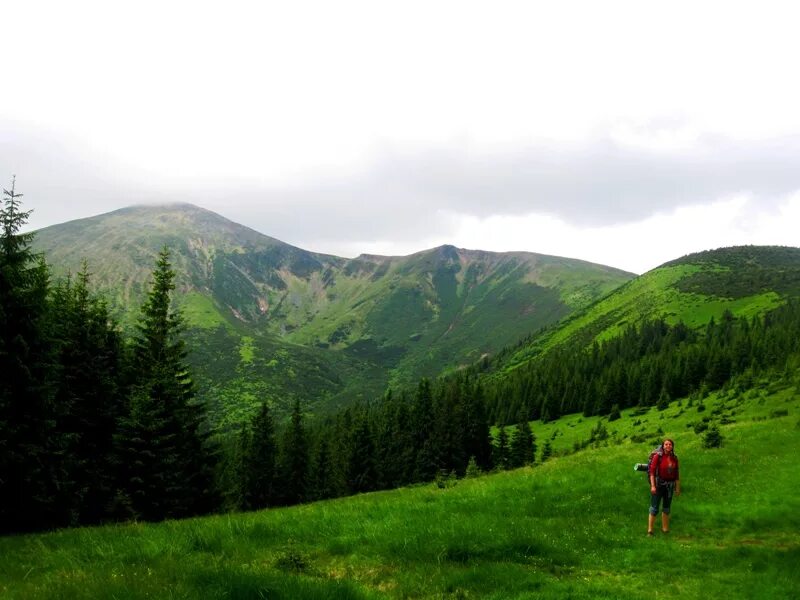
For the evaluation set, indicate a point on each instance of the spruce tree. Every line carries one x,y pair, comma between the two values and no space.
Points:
259,461
361,473
323,474
422,420
294,459
522,450
164,460
547,451
27,417
477,439
87,396
500,457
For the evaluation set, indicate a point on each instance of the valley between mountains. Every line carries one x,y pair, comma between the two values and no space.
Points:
267,321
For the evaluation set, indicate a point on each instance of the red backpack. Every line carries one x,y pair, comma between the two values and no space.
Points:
658,450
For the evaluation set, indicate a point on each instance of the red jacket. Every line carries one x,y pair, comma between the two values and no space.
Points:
667,465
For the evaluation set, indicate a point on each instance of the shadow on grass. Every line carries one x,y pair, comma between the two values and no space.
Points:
250,582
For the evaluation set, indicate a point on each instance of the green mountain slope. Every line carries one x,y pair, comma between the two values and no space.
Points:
269,321
572,527
746,281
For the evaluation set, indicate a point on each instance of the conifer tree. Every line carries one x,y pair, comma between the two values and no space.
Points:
477,439
422,419
500,456
323,471
547,451
259,461
522,449
164,459
27,416
294,459
394,438
88,398
361,473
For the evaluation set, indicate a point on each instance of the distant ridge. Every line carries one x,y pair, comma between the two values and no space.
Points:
745,280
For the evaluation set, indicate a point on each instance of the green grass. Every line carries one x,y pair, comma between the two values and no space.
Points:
247,350
570,528
656,294
199,311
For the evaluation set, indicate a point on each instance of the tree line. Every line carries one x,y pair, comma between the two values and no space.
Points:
94,425
440,429
648,365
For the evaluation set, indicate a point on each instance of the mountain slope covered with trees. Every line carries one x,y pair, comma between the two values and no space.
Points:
269,321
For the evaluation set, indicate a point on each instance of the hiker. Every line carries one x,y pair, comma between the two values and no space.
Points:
664,482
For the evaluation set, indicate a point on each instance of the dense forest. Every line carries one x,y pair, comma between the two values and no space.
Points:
98,425
93,425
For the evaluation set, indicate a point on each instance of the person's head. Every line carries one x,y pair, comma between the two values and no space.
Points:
668,445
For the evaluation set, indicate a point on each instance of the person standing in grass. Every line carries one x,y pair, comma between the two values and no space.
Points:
664,483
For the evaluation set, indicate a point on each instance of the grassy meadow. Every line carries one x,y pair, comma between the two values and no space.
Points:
573,527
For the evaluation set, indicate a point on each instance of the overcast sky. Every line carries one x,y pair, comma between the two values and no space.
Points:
623,133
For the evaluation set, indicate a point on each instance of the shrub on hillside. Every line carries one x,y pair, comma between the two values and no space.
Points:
702,426
473,470
712,438
445,480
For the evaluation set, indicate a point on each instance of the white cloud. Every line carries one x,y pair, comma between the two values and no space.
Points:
358,126
644,245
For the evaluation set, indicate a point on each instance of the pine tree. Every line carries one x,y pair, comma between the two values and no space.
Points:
259,461
361,474
547,451
422,418
477,439
88,398
294,459
27,415
164,458
396,444
522,450
500,453
323,471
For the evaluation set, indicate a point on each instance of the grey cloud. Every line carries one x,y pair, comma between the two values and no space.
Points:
599,184
405,196
63,179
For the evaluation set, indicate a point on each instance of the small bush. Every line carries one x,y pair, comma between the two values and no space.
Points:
293,560
445,480
782,412
712,438
473,470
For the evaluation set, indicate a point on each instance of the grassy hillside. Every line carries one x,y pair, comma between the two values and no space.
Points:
571,527
269,321
745,280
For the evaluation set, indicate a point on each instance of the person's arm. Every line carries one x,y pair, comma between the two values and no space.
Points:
677,487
